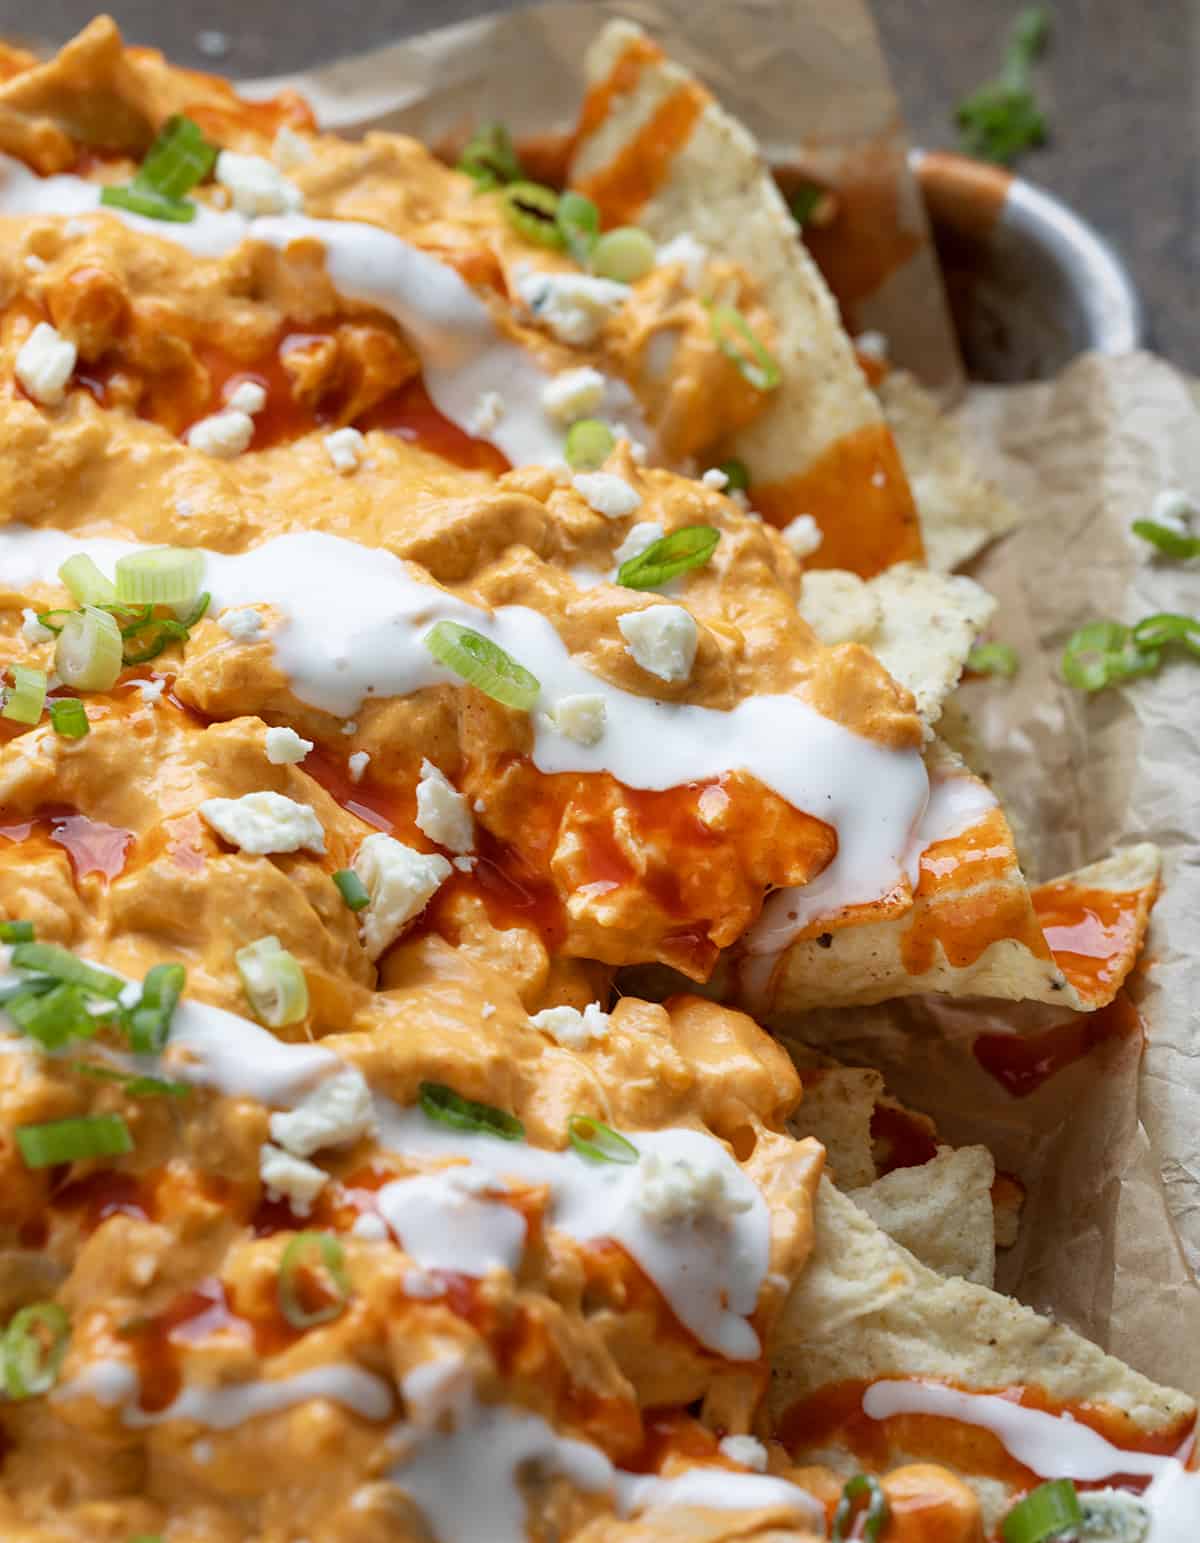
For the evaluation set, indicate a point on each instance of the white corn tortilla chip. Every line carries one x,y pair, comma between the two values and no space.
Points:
821,446
920,625
961,511
940,1211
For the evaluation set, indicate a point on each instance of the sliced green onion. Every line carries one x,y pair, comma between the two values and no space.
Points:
24,701
1104,653
690,547
134,1085
69,717
737,475
68,1141
532,211
877,1513
179,158
625,254
1044,1513
164,575
804,201
273,982
150,1020
34,1345
46,619
993,659
85,581
489,157
53,1017
579,220
446,1106
734,337
317,1253
483,664
16,991
16,932
1170,542
146,202
599,1142
1168,627
352,889
62,965
189,619
87,655
588,444
153,636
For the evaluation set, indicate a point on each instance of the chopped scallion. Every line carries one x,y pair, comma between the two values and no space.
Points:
62,965
532,211
443,1104
482,664
736,340
625,254
489,158
690,547
588,444
88,654
1103,653
599,1142
877,1512
1169,541
163,575
1168,627
69,717
178,159
53,1017
34,1345
85,581
352,889
313,1258
737,475
993,659
150,1020
26,697
579,220
1044,1513
131,1083
68,1141
273,982
16,932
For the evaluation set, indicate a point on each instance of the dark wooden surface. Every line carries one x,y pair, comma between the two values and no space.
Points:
1120,84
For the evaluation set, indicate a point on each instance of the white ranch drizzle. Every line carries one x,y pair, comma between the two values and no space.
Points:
463,356
356,618
1054,1447
114,1383
465,1479
710,1271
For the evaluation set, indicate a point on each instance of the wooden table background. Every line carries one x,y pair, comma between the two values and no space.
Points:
1120,85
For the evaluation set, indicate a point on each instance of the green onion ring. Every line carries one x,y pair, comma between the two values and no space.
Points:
150,1020
734,337
993,659
1102,653
68,1141
599,1142
35,1343
684,549
297,1259
443,1104
579,220
877,1512
483,664
1044,1513
532,212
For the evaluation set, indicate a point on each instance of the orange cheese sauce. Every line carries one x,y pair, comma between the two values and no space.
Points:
858,494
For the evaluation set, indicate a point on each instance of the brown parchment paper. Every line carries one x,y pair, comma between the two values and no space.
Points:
1109,1149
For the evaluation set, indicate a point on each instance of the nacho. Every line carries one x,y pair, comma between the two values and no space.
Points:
654,148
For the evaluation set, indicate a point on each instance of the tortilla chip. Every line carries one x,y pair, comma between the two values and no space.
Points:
976,929
941,1211
961,512
865,1309
654,149
837,1108
920,625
